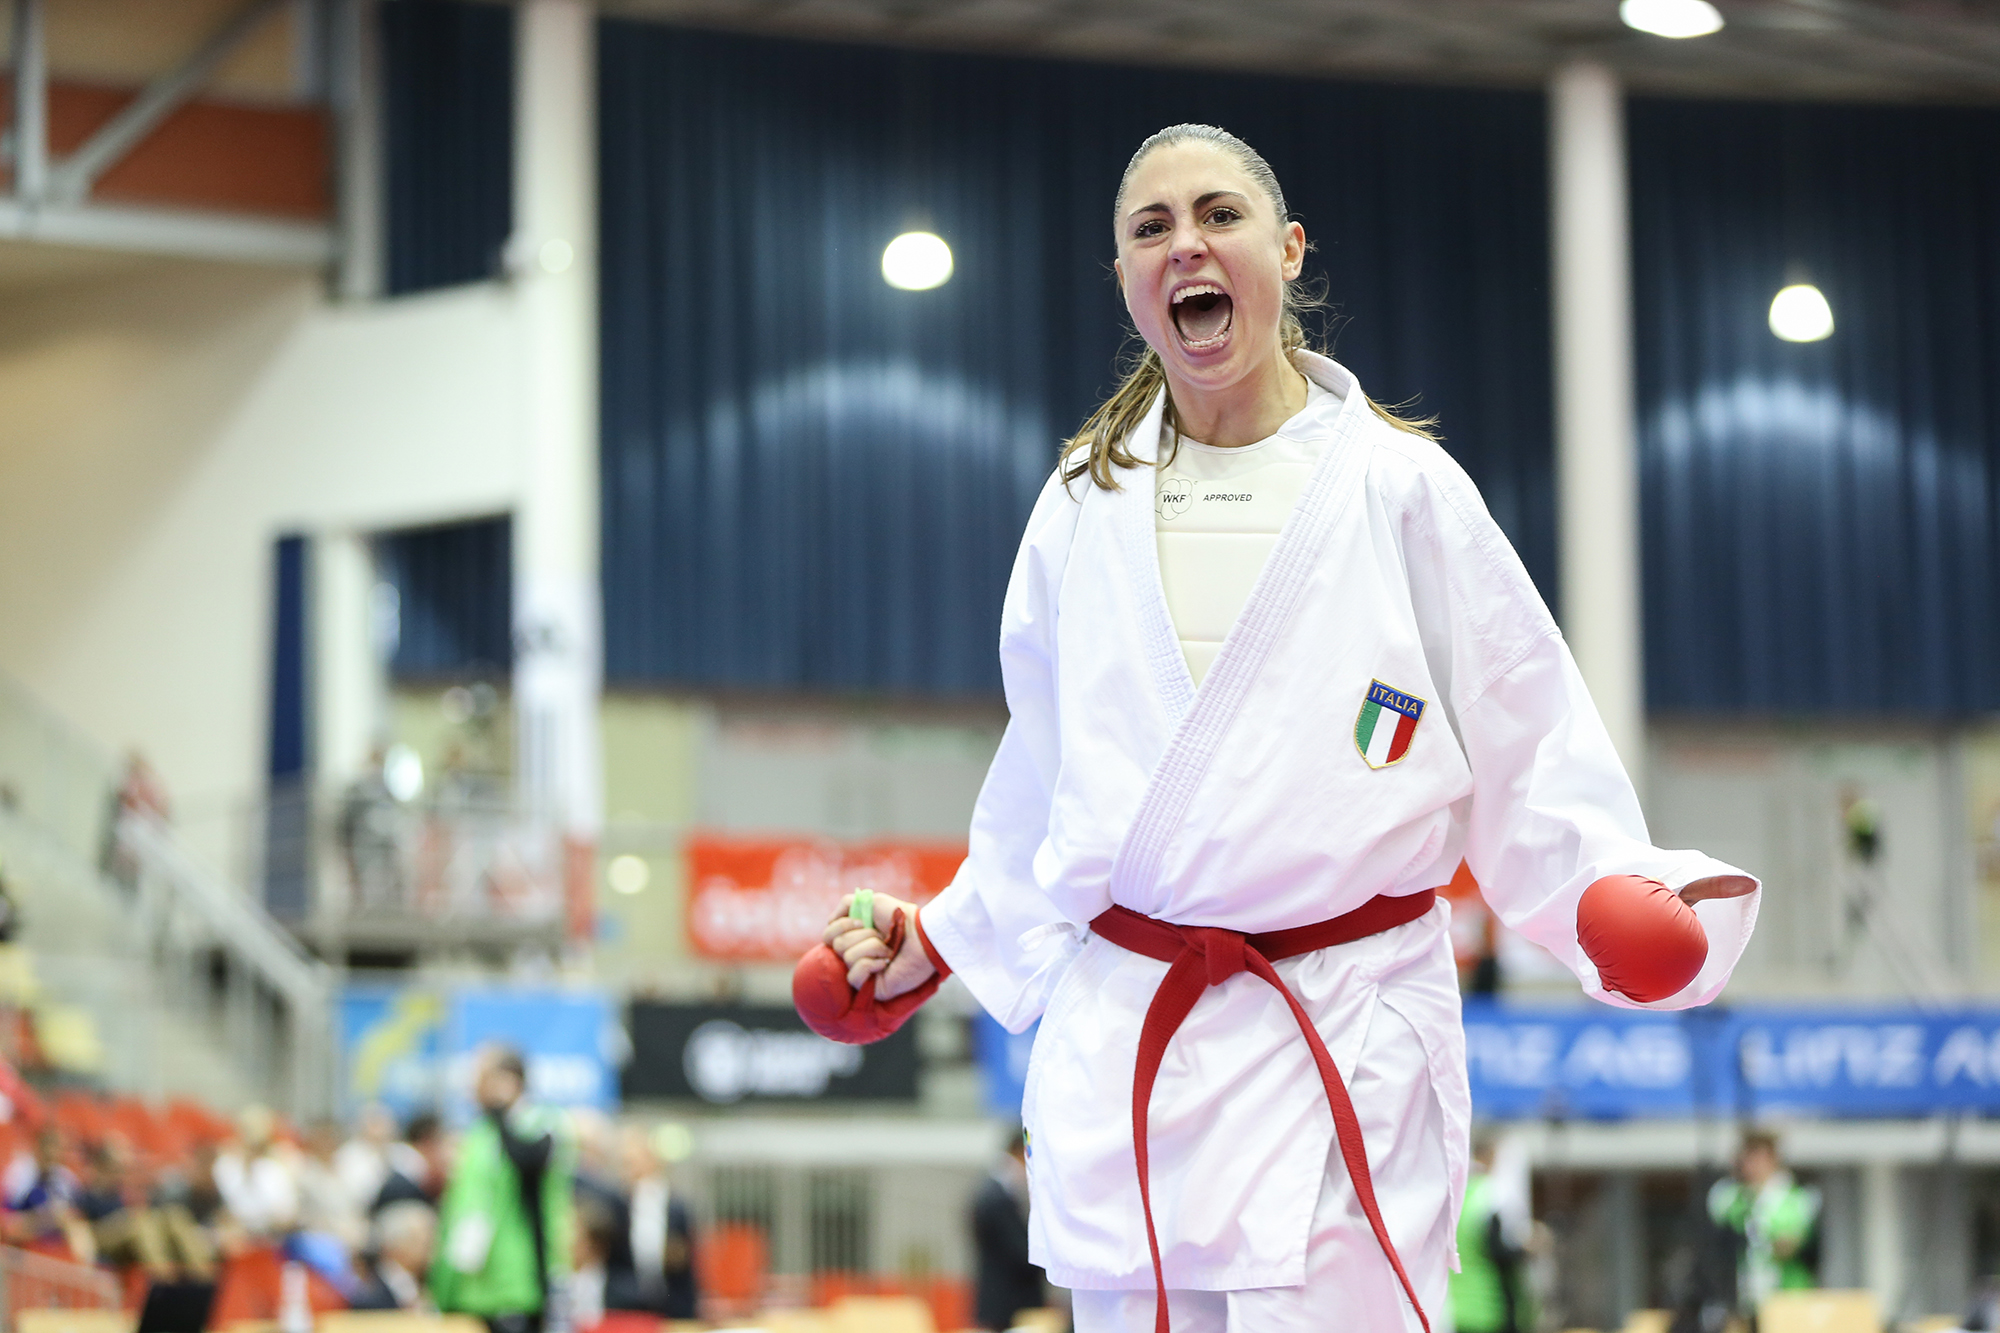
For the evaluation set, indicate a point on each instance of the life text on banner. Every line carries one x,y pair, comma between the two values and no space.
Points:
767,899
1593,1062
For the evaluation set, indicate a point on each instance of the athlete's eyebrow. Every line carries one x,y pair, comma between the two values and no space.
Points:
1200,203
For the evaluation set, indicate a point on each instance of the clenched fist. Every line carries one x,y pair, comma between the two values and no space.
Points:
864,948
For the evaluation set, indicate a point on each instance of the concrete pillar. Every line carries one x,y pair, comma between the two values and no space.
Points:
354,87
1596,445
31,102
1882,1233
1625,1244
350,679
553,259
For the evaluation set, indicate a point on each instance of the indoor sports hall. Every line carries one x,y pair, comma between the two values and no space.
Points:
905,666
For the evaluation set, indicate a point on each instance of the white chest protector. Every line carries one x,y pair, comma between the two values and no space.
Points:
1218,513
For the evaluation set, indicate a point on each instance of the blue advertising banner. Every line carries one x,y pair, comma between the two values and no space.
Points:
411,1047
1885,1063
1594,1062
1002,1057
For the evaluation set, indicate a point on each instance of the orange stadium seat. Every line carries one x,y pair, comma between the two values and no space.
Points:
734,1258
251,1287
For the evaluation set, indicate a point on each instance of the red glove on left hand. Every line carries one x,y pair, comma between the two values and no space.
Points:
1646,941
841,1013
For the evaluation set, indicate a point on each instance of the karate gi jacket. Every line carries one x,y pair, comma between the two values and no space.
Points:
1249,805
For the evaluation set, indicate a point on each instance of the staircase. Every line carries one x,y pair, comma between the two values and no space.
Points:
192,988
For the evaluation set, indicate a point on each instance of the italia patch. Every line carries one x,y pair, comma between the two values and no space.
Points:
1386,725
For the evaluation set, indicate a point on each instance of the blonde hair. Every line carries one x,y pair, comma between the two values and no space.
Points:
1104,440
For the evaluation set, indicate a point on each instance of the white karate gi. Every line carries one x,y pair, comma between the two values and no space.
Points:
1247,805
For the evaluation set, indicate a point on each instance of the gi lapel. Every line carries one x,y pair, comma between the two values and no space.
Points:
1205,714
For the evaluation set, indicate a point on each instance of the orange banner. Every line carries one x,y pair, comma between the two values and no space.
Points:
767,899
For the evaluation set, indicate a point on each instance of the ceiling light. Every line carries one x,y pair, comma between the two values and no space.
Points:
403,773
916,261
1800,314
1671,18
629,874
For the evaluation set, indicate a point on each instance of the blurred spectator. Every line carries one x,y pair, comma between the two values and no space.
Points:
1776,1217
325,1205
362,1163
370,818
504,1231
41,1193
10,911
418,1166
190,1187
1490,1292
139,793
128,1230
598,1175
659,1234
392,1275
1007,1282
257,1178
594,1285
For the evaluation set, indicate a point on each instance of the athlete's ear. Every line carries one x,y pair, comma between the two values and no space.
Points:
1118,267
1295,251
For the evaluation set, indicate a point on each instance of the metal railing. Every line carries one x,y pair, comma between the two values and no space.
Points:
220,958
456,866
135,930
31,1281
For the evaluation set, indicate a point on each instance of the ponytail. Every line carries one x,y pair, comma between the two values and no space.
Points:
1104,442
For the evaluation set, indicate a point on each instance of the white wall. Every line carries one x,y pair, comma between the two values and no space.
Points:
1769,797
160,426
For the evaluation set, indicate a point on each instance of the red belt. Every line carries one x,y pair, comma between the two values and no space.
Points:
1204,956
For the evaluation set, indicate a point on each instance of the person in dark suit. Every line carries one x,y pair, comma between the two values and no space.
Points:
392,1273
657,1231
1007,1282
417,1166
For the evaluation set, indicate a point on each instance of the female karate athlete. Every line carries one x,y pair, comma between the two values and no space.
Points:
1272,671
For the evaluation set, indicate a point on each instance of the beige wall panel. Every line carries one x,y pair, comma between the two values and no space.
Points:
1774,799
157,432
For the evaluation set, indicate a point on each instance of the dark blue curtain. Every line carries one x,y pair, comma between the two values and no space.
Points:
814,481
1820,520
287,749
454,585
287,809
448,113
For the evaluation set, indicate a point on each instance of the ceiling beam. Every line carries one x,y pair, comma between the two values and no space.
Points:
174,232
72,181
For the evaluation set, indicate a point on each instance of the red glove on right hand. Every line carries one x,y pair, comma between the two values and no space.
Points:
841,1013
1646,941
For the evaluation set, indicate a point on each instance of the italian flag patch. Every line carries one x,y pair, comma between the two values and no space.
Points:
1386,725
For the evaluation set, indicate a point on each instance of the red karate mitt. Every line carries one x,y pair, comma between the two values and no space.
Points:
1646,941
841,1013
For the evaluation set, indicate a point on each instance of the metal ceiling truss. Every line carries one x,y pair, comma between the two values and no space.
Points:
51,199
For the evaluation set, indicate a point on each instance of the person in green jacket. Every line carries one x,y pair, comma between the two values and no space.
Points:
504,1223
1777,1218
1489,1293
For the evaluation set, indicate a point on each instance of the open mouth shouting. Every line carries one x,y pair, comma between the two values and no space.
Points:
1202,312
